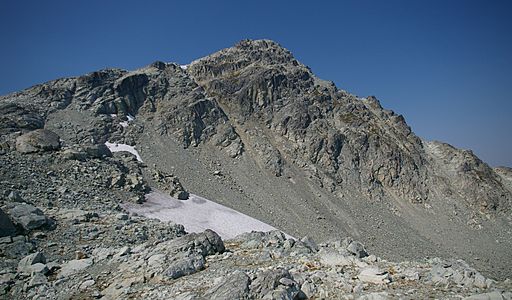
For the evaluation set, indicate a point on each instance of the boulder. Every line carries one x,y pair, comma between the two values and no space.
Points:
310,243
185,266
204,243
14,196
171,184
97,151
28,216
17,249
374,275
88,151
267,281
37,141
334,258
26,264
6,226
357,249
36,280
232,286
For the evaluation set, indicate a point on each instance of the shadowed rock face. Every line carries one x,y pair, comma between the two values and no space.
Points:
6,226
256,130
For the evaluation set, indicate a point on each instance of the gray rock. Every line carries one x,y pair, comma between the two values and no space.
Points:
375,296
309,289
97,151
18,249
86,284
6,239
29,260
338,154
36,280
38,140
282,293
6,226
232,286
357,249
374,275
486,296
171,184
74,266
124,251
14,196
267,281
456,271
186,296
205,243
87,151
28,216
310,243
7,278
287,281
122,217
334,258
185,266
37,268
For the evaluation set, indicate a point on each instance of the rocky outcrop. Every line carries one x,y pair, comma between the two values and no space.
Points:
171,184
469,177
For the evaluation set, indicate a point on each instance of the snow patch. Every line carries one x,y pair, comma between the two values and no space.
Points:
184,67
115,147
197,214
125,123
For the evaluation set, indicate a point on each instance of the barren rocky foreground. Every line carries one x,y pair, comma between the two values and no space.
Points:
383,213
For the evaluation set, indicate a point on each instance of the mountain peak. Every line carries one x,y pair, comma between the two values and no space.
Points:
246,52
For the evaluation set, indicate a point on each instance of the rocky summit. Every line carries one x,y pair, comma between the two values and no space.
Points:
364,208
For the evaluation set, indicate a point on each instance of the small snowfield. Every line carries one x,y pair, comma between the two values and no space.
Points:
197,214
115,147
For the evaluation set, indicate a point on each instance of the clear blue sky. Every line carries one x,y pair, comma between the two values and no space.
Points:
445,65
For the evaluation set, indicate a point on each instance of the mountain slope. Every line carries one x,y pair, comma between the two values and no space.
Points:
252,128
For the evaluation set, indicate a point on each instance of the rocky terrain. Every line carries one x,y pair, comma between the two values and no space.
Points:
251,128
